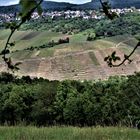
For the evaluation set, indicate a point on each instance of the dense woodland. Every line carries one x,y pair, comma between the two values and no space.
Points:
115,101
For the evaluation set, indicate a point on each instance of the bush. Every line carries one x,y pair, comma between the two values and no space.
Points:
62,41
90,38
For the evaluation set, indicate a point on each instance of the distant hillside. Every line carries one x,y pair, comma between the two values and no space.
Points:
49,5
78,59
9,9
94,4
125,3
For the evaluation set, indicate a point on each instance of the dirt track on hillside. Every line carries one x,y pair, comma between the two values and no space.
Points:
76,65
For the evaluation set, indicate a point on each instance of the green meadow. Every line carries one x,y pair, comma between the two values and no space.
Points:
68,133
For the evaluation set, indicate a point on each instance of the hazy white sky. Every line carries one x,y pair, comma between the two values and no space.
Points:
9,2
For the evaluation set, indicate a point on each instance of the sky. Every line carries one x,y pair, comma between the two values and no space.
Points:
10,2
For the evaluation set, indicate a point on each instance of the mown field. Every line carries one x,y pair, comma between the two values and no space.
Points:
68,133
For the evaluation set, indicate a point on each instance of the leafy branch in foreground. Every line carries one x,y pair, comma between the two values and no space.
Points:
107,9
111,59
28,7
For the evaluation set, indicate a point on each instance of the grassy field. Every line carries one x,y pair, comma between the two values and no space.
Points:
68,133
26,39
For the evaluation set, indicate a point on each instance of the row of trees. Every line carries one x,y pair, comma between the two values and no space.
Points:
50,44
42,102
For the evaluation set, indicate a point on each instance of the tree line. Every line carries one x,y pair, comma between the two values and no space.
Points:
41,102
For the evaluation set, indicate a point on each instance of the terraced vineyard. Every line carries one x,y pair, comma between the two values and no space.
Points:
78,59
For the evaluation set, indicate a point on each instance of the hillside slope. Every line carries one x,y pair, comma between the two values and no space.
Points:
78,59
94,4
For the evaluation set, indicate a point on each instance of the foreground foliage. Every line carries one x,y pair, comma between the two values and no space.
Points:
68,133
42,102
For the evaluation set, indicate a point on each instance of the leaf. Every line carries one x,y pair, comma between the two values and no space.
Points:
106,8
27,5
39,10
16,68
118,58
11,67
18,63
9,63
12,44
113,54
106,58
110,59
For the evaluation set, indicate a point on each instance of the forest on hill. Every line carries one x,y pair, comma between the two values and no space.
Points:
94,4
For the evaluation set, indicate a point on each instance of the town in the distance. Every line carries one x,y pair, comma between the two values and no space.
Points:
68,14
